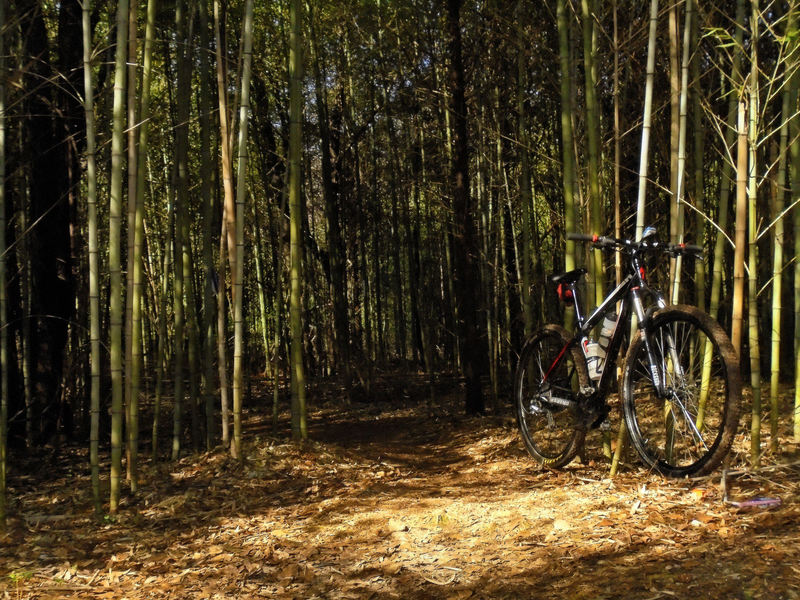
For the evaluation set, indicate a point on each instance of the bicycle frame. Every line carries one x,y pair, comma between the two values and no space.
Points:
618,295
679,367
629,296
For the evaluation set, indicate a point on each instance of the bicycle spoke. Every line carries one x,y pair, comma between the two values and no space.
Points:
687,425
688,418
681,386
547,382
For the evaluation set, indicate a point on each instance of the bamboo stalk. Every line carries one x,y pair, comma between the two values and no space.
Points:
299,425
241,189
752,280
778,243
4,362
647,119
683,111
114,256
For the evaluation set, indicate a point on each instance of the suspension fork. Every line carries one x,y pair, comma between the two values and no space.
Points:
644,324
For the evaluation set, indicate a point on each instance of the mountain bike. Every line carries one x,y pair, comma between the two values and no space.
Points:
680,385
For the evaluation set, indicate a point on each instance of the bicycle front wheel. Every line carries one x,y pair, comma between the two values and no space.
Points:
681,400
549,377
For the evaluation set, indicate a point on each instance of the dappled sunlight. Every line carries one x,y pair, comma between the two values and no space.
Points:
412,501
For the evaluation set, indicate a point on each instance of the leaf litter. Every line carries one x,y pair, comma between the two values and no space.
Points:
400,500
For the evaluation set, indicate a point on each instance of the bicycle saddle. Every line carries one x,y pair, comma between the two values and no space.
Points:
568,277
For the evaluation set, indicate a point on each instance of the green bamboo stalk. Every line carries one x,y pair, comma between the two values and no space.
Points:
643,166
524,174
241,191
682,118
593,134
674,123
722,217
727,171
778,239
209,305
228,239
622,431
3,291
567,156
222,334
192,332
190,298
131,403
260,292
179,329
647,119
277,260
138,227
699,170
94,270
163,300
183,26
299,426
740,239
26,294
794,173
114,255
752,279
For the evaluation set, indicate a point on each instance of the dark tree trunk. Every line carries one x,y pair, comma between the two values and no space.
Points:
515,326
54,133
329,140
467,277
263,131
412,248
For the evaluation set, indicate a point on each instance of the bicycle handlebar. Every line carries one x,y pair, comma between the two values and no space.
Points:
597,240
686,249
602,241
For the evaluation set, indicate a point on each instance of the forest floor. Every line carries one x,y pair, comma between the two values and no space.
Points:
405,498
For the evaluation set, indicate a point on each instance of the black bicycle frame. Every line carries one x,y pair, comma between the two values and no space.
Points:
629,287
620,294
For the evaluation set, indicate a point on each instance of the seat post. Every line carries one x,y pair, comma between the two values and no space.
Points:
571,279
578,315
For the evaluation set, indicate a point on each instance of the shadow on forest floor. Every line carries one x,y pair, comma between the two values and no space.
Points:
401,499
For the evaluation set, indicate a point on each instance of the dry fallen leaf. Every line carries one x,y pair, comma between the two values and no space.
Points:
605,523
561,525
433,518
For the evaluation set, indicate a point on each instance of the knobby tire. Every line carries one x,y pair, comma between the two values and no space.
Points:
690,428
550,431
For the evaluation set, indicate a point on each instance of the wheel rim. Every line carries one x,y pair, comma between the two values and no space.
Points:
681,429
546,397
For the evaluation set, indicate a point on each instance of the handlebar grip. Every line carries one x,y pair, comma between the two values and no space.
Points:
581,237
687,249
598,241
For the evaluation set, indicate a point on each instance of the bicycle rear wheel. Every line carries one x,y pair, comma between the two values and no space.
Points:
688,429
549,376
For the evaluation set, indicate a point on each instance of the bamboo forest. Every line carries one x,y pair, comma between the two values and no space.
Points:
267,270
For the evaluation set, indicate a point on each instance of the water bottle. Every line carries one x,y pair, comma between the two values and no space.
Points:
594,358
596,351
609,322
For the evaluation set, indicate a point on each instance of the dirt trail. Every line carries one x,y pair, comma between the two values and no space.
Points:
415,501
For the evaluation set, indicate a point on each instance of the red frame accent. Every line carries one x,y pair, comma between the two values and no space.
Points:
555,362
